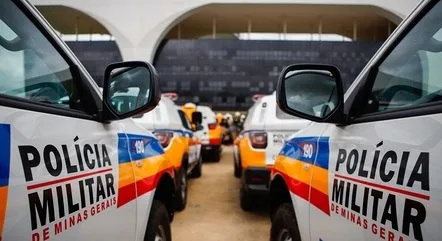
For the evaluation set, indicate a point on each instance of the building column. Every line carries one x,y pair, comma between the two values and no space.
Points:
284,29
214,28
249,27
76,28
355,30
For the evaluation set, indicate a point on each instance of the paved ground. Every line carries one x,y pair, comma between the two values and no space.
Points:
213,211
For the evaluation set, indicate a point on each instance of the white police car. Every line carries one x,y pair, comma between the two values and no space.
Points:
369,168
265,130
172,128
71,166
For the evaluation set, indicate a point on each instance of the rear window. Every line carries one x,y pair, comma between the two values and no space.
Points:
282,115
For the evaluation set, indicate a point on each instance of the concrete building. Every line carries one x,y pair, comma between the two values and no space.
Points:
139,26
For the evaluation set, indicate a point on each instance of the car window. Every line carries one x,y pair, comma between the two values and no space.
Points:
184,120
30,67
411,74
282,115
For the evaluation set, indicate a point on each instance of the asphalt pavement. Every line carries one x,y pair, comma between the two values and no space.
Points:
213,211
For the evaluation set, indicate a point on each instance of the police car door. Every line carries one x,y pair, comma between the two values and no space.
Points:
59,168
384,167
188,133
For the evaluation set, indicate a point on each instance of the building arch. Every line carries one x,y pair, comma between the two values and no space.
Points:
147,23
175,25
76,20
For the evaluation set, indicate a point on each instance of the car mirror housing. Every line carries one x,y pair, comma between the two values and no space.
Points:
129,89
311,91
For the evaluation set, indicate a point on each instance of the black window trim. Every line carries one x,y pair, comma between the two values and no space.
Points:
365,88
412,111
183,115
77,76
24,104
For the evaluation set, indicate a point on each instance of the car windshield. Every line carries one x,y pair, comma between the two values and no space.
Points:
30,66
410,75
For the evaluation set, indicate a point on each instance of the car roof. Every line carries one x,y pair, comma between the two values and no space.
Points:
163,116
207,112
266,115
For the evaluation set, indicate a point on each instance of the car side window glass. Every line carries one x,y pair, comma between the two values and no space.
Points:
184,120
282,115
411,74
30,67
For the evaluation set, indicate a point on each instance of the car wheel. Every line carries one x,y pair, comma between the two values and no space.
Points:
245,199
207,156
198,169
158,227
216,157
284,224
181,193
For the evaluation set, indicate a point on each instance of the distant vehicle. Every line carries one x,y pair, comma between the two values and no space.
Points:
73,165
255,150
226,139
172,128
210,132
370,167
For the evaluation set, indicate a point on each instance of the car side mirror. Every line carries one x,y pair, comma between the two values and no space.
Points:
129,89
312,92
197,118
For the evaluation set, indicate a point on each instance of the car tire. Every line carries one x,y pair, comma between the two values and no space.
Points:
216,157
245,200
198,169
158,226
284,224
207,156
181,192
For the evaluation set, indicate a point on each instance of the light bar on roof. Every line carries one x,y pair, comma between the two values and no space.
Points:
257,97
189,105
172,96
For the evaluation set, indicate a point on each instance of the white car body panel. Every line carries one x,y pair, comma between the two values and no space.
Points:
28,128
208,117
60,175
265,115
165,117
407,140
383,176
